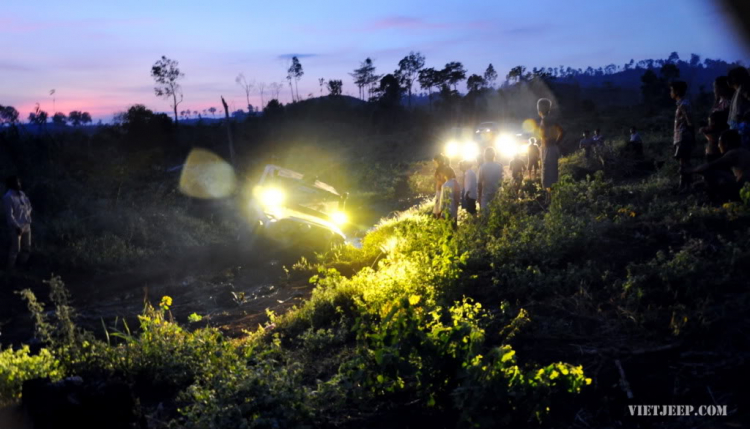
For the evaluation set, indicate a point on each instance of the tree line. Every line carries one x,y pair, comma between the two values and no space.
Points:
399,85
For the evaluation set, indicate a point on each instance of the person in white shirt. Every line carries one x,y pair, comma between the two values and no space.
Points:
488,182
470,187
18,216
635,144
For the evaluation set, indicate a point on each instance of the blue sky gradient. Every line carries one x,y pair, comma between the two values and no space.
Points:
97,54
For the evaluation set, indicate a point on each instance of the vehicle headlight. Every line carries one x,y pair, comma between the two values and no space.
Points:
470,151
339,218
272,197
451,149
506,145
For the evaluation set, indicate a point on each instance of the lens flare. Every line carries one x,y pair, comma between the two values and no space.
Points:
206,175
529,126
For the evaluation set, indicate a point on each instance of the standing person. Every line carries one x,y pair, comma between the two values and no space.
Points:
447,193
723,94
586,143
739,79
598,137
635,144
516,171
551,134
534,156
489,179
450,194
460,179
470,188
684,134
18,215
717,124
440,164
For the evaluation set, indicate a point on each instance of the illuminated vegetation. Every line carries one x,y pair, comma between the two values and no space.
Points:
503,322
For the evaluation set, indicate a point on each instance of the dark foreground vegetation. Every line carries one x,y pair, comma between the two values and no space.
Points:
561,314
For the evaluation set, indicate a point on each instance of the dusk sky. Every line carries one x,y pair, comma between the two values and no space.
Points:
97,55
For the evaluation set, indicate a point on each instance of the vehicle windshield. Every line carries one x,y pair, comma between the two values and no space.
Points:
308,196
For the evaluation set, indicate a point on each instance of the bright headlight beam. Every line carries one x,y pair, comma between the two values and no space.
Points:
339,218
271,197
507,145
451,149
470,151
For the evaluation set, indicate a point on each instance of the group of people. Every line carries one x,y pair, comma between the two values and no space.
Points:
725,171
475,183
727,148
589,143
480,182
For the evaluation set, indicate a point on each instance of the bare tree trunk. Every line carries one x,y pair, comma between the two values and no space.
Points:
229,132
174,97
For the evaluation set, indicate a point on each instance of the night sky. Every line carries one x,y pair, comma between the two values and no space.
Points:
97,54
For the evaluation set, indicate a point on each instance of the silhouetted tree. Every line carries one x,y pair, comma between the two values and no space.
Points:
365,77
408,71
59,118
246,86
8,115
213,109
166,73
273,109
389,91
517,73
291,87
428,79
77,118
275,88
695,60
490,76
321,82
38,116
475,83
144,128
651,88
454,73
673,58
669,72
261,90
335,87
295,71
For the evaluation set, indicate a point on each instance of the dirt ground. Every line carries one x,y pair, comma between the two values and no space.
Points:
231,285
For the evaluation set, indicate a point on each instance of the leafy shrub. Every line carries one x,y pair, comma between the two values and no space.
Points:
17,366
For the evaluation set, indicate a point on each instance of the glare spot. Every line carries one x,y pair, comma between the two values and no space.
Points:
206,175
